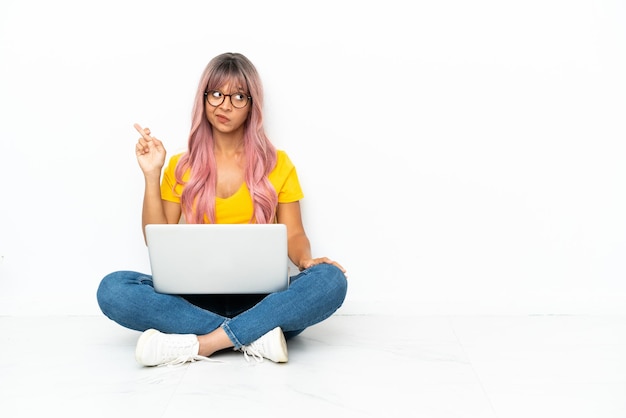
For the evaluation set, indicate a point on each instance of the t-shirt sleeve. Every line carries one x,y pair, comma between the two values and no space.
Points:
285,180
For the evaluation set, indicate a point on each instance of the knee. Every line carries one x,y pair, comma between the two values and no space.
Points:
105,290
336,281
110,290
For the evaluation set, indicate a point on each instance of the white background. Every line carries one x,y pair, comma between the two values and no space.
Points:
456,157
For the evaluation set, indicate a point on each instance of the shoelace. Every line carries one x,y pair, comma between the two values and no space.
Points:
187,359
252,351
181,355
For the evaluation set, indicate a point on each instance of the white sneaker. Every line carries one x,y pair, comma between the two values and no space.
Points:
271,346
155,348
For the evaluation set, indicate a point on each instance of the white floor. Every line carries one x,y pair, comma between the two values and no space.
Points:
347,366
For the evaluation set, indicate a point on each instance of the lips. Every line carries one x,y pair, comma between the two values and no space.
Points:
222,119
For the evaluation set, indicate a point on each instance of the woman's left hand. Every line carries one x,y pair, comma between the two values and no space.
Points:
321,260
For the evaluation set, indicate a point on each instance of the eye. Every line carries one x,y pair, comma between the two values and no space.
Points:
216,94
240,97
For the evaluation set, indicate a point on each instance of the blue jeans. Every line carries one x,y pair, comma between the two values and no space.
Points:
129,299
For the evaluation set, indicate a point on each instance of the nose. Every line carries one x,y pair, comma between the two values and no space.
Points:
224,104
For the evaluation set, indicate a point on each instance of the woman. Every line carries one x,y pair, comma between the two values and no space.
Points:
230,173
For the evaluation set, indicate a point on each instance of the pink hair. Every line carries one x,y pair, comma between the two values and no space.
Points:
198,196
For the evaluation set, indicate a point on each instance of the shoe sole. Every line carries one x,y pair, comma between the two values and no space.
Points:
145,336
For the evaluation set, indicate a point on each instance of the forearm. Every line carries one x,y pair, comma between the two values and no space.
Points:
153,212
299,249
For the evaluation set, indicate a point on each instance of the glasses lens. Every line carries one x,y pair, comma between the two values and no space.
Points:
239,100
214,97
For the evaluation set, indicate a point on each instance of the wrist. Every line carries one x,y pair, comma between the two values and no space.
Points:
152,178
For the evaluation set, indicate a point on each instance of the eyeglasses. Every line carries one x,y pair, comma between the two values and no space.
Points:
216,98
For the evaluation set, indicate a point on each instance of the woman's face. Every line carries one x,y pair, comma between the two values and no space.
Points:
227,108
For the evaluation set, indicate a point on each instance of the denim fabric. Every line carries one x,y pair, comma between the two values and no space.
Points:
129,299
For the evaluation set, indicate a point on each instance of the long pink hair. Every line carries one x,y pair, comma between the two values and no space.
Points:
198,196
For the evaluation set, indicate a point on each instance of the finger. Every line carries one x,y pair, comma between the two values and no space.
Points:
139,150
145,145
157,143
145,133
334,263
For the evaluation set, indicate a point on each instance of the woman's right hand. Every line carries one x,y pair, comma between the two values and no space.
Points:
150,152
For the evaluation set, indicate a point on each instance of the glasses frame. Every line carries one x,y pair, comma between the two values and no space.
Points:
224,96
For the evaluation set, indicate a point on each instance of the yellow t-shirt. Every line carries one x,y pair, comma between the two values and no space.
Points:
238,208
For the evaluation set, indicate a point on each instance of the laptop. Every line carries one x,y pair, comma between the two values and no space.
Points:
218,258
